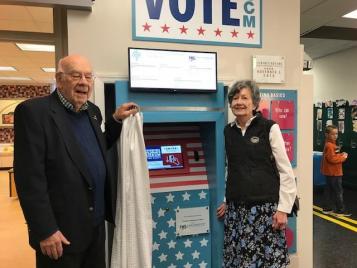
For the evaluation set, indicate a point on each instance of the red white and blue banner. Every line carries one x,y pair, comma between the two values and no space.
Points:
210,22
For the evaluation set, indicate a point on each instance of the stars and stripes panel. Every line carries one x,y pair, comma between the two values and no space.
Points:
170,251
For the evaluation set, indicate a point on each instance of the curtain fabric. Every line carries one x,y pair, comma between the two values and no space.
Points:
132,241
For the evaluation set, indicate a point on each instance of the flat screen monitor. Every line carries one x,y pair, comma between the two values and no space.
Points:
164,157
159,70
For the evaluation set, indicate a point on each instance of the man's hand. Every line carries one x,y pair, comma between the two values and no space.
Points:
125,110
221,210
280,220
52,246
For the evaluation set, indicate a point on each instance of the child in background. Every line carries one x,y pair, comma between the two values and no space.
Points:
331,167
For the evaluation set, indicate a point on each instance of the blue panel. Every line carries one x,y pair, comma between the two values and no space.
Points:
168,248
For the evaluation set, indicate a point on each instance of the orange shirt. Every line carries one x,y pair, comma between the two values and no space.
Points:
331,164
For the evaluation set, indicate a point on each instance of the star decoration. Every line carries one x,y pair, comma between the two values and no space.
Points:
234,33
186,196
201,31
202,264
171,244
179,256
154,223
171,223
165,28
155,246
204,242
146,27
195,255
161,212
183,29
163,235
218,32
202,194
188,243
170,198
187,265
162,257
250,34
153,199
172,266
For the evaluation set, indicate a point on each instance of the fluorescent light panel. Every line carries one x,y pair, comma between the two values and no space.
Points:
36,47
351,15
48,69
7,68
17,78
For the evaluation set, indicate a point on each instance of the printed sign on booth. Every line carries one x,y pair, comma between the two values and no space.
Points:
218,22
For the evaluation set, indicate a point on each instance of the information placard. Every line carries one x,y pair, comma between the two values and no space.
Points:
191,221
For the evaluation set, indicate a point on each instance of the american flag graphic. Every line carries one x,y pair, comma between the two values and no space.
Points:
168,250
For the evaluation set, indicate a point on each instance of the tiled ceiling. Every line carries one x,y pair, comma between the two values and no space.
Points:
323,29
27,64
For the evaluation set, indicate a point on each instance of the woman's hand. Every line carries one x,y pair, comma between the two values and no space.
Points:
221,210
280,220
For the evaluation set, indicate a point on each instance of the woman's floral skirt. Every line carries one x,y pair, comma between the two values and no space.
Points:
249,239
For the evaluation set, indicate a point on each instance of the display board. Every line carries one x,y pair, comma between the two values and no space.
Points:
281,106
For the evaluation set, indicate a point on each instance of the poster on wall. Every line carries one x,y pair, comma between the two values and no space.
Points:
7,108
219,23
280,106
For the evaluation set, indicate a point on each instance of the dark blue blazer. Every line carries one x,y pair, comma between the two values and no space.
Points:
52,180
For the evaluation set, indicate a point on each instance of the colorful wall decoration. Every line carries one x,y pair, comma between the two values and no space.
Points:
281,106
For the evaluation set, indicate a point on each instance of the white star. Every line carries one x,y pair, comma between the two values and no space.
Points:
186,196
161,212
155,246
177,208
172,244
170,198
162,257
179,256
202,195
163,235
171,223
154,223
188,265
204,242
153,199
188,243
202,264
172,266
195,255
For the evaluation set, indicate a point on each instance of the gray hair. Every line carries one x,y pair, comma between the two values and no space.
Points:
236,87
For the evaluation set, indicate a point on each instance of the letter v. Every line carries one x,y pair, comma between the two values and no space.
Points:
154,9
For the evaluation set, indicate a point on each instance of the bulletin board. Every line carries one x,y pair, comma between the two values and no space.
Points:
281,106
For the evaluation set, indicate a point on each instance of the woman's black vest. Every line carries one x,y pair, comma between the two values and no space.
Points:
252,175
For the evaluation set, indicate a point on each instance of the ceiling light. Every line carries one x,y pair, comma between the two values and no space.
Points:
35,47
17,78
48,69
351,15
7,68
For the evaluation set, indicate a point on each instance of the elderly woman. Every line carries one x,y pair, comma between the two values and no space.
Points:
260,188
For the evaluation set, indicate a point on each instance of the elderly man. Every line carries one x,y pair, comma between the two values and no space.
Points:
61,172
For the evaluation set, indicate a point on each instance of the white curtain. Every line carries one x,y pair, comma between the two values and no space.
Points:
133,233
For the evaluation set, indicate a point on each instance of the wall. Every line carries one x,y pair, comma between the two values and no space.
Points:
105,34
335,76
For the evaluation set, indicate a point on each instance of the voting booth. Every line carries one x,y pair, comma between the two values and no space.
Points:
183,132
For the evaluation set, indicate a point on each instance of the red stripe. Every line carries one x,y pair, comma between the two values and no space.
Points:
198,173
178,183
197,165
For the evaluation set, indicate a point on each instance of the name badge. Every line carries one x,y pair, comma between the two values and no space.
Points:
254,139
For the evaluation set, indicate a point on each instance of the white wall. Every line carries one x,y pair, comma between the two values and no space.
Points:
105,34
335,76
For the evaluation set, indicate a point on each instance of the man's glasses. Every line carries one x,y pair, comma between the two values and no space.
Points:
76,77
